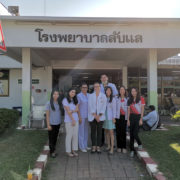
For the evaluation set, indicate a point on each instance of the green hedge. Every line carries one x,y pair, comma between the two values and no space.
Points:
8,118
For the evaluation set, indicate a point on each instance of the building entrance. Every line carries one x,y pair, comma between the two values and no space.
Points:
64,79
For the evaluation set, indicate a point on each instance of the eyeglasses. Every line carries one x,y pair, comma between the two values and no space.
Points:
96,86
84,87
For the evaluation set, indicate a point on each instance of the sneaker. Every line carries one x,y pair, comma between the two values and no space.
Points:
139,147
132,154
124,151
88,148
84,150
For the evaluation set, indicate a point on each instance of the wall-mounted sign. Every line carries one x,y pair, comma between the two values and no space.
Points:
34,81
114,37
4,83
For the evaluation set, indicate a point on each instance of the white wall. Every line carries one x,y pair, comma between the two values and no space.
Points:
15,89
42,75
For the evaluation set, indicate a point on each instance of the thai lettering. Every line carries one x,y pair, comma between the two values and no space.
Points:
115,37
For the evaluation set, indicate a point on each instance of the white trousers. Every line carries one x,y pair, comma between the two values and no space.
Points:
83,133
71,137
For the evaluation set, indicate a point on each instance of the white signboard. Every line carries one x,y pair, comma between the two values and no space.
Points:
91,36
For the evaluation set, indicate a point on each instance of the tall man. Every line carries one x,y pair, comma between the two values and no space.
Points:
104,84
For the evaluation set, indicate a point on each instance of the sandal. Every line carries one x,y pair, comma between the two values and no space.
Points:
75,154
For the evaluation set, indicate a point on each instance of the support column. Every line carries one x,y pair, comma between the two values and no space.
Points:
49,80
125,76
152,77
26,85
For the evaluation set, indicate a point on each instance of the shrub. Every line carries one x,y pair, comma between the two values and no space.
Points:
8,118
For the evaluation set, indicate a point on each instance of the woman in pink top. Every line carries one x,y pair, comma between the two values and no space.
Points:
135,114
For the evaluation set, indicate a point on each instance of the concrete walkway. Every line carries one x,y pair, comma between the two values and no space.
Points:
93,166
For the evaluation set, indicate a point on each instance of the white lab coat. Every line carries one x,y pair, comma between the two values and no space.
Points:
111,109
98,108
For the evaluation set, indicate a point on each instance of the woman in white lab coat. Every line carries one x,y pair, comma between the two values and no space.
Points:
96,116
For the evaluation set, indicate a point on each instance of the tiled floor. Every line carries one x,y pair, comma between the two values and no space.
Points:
93,166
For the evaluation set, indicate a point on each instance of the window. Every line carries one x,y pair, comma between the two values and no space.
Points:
4,83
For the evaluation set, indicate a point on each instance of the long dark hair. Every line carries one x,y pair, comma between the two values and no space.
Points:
119,95
52,99
111,96
131,98
74,100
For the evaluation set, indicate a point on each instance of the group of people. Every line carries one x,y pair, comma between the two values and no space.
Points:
108,111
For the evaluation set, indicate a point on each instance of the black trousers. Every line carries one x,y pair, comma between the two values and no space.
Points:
96,132
103,137
146,127
121,125
53,134
134,129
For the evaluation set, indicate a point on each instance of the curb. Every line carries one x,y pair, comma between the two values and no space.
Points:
41,163
151,165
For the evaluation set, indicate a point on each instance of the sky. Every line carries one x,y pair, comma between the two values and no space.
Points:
97,8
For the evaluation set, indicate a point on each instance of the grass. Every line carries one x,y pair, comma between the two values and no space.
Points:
157,143
18,150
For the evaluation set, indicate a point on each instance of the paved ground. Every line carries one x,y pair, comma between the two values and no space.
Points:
93,166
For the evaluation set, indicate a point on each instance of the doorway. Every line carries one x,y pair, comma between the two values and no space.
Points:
66,78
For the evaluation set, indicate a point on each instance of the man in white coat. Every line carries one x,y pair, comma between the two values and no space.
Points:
96,115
